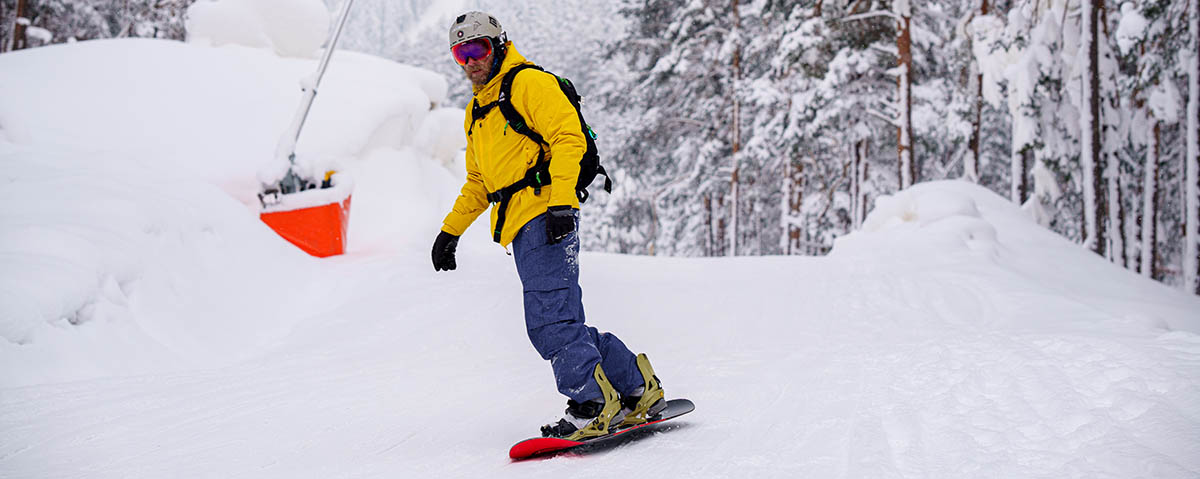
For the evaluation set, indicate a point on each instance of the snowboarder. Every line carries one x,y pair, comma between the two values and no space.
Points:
606,384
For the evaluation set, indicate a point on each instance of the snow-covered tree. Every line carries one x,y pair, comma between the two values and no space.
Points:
60,21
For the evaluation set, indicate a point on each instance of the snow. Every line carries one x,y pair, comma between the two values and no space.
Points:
293,28
1131,29
228,106
1164,102
153,327
986,30
41,34
341,187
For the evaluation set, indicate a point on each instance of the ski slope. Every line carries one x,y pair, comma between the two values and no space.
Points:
151,326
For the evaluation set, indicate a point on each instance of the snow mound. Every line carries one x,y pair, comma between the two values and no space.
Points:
129,234
954,244
291,28
939,213
125,270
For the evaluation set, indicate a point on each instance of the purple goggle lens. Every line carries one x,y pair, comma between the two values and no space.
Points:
478,49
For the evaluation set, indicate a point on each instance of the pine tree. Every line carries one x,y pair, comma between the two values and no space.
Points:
971,163
842,154
680,148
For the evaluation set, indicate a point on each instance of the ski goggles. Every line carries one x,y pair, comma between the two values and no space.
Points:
477,49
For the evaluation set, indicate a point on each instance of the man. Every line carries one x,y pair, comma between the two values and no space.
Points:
606,385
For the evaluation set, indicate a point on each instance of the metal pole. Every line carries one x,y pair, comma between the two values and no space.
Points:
291,182
337,33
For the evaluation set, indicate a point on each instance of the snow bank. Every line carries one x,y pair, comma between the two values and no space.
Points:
129,233
292,28
115,268
963,231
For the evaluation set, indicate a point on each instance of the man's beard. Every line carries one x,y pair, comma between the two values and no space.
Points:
478,77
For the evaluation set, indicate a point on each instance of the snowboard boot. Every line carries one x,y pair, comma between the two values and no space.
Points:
647,401
588,419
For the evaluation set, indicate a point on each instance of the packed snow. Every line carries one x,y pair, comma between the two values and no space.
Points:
151,326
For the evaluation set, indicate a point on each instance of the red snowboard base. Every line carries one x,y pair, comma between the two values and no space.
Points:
547,445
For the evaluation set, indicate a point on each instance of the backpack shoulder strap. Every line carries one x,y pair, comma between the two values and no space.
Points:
478,112
514,119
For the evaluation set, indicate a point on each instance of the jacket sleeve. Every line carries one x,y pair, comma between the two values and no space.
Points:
472,200
538,98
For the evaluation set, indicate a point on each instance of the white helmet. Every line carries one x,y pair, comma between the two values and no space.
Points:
472,25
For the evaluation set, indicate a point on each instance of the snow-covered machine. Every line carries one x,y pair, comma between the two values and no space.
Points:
309,209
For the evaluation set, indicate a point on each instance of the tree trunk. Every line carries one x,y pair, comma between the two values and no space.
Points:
1094,205
857,177
971,162
18,32
737,132
795,198
1026,162
1118,235
971,168
652,246
904,140
1191,263
1149,219
708,217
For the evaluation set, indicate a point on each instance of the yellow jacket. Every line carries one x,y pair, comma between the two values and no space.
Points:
498,157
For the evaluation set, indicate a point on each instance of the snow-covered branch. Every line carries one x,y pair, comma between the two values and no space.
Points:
874,14
890,119
889,49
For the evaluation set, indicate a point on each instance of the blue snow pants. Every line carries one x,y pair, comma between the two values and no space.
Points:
554,316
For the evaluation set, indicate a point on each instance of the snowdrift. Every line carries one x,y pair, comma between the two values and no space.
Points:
938,229
129,235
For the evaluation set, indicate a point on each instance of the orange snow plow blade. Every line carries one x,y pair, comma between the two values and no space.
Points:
318,230
314,220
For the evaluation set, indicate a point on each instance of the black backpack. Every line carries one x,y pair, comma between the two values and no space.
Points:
539,175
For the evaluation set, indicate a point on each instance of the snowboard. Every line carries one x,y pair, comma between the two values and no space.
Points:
539,446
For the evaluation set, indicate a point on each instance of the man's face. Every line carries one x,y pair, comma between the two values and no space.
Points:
478,70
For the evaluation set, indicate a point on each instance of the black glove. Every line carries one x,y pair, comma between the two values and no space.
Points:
560,222
443,251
